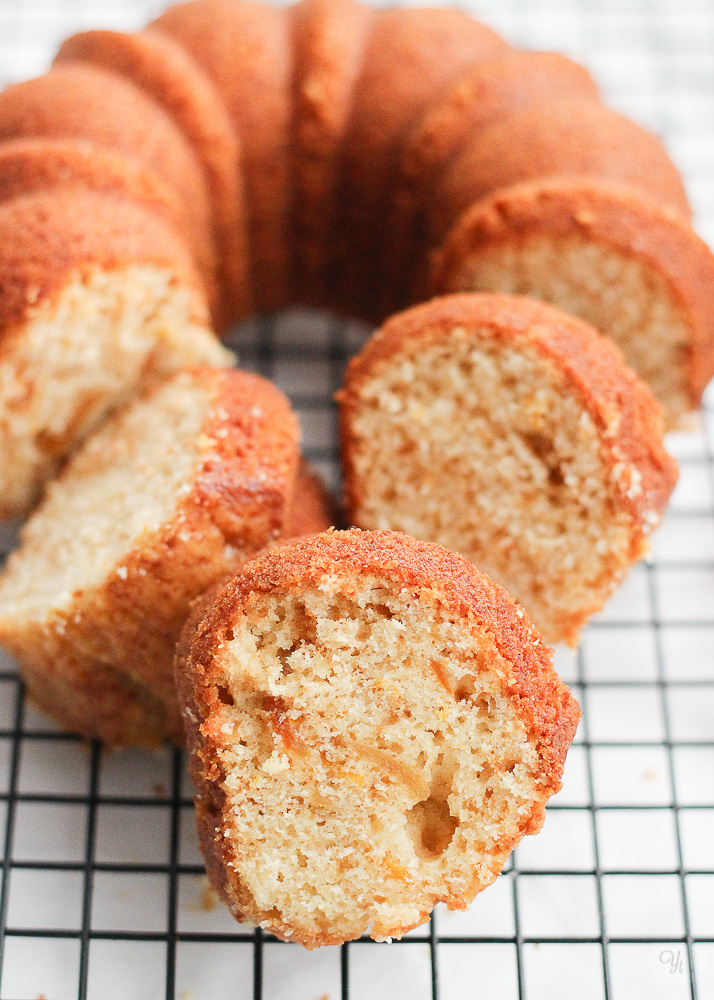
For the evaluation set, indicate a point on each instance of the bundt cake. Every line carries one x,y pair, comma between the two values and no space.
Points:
508,431
169,496
373,723
373,726
364,160
98,299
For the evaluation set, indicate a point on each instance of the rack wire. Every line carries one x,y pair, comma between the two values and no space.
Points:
103,893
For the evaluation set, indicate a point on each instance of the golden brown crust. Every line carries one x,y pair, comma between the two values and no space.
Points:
411,55
31,165
72,101
49,238
237,504
165,71
208,778
525,671
616,216
488,92
239,498
329,38
563,138
622,408
244,47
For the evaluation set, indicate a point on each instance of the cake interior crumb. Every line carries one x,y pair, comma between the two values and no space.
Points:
374,764
106,337
485,448
126,482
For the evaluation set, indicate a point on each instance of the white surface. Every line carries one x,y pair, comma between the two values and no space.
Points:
609,863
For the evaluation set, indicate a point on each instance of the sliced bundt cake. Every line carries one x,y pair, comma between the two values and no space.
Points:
514,434
608,254
169,496
98,299
373,726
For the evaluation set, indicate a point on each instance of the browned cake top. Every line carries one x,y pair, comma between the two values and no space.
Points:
73,101
563,137
35,164
165,71
487,92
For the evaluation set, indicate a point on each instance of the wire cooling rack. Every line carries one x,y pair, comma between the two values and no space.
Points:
103,894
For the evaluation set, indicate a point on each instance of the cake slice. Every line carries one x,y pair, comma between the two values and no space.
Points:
606,253
169,496
512,433
373,726
97,701
99,300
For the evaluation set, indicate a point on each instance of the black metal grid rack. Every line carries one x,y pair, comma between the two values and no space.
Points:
103,893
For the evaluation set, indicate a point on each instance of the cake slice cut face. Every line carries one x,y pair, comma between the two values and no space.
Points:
99,302
514,434
374,725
